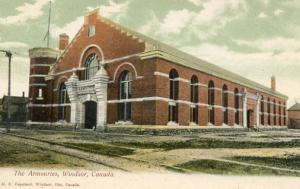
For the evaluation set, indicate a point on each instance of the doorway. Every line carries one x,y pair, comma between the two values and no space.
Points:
90,114
250,119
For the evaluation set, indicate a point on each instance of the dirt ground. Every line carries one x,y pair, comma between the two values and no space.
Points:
165,153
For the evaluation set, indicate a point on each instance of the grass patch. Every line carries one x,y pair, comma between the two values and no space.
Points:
17,154
100,149
290,162
89,147
228,168
12,153
209,143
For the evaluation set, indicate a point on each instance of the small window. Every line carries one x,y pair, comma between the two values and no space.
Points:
91,31
40,93
40,96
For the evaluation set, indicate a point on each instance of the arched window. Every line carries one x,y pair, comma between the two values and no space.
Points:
211,102
274,113
174,87
92,65
237,106
125,92
62,100
284,114
269,112
194,100
262,111
225,104
279,113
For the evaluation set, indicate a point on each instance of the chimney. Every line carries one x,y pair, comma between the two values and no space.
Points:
273,83
23,94
63,41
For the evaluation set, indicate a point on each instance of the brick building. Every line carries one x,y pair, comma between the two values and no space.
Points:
294,116
109,74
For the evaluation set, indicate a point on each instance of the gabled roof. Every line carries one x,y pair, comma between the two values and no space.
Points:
295,107
155,48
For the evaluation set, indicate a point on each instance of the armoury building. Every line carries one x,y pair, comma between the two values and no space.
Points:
109,74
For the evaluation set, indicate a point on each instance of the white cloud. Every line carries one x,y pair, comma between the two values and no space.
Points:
26,12
262,15
112,10
152,24
12,44
212,15
265,2
196,2
278,12
176,21
70,28
273,44
263,65
214,10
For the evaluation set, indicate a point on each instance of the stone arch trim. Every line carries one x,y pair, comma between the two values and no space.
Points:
60,81
175,70
83,101
118,69
86,49
85,98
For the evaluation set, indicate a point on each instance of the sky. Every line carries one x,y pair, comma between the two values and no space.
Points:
254,38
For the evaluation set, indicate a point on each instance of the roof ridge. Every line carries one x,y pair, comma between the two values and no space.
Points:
295,107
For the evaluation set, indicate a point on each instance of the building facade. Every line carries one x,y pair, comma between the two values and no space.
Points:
109,74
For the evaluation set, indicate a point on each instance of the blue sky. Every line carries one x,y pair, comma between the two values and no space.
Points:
254,38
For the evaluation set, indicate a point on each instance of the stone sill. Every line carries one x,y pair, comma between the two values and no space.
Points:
172,127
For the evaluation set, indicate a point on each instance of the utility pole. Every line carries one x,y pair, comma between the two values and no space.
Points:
8,54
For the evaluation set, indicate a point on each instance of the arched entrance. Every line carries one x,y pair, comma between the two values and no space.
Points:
250,119
90,114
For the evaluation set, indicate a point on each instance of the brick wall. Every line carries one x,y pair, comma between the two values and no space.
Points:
294,119
158,85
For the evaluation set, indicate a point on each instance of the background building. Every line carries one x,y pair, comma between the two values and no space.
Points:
294,116
109,74
18,109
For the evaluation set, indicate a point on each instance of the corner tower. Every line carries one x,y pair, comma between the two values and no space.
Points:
41,59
